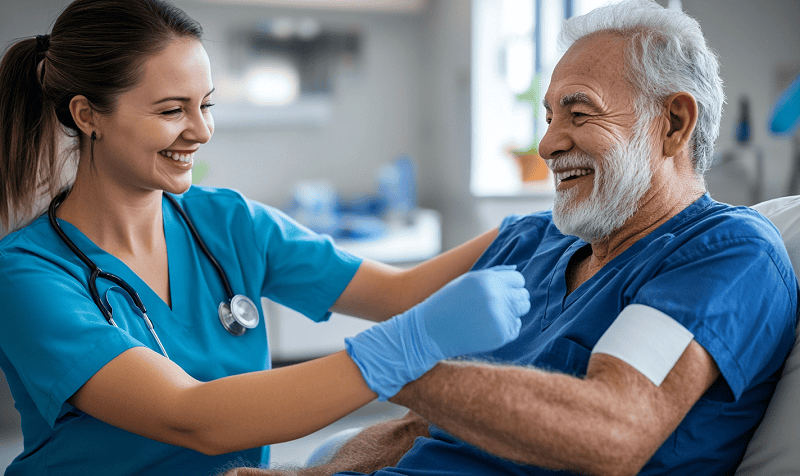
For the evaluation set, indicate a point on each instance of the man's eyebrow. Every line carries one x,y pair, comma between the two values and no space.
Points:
578,97
181,99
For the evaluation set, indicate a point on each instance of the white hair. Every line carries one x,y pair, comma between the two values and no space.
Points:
666,54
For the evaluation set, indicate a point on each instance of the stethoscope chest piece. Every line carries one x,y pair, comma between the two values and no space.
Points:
238,315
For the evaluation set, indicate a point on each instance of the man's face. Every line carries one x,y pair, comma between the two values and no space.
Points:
599,153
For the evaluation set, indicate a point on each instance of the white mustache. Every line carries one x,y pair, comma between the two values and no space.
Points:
575,160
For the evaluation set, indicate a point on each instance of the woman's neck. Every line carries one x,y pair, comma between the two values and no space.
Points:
119,221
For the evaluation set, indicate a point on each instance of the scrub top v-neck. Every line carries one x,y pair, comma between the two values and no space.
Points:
263,252
722,272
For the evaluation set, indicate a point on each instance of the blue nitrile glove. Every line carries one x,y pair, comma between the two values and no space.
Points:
477,312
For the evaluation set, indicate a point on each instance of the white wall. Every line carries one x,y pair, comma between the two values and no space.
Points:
751,38
375,105
375,108
410,94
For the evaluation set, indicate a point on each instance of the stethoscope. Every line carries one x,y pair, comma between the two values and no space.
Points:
237,314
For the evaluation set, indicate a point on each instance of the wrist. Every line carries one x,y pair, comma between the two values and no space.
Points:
393,353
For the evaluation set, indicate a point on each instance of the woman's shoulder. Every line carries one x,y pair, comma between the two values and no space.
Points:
34,236
212,195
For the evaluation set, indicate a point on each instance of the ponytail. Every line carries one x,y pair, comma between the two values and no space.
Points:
29,131
97,49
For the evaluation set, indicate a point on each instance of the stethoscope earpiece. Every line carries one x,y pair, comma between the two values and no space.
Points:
238,315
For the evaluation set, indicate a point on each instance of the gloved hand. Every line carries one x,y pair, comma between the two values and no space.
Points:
477,312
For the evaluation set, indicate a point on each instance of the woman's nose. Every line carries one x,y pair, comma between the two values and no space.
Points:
201,127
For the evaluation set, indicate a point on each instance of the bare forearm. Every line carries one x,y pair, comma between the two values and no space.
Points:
289,402
378,446
426,278
375,447
224,415
522,414
379,291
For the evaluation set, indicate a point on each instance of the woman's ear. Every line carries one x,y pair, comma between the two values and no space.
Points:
83,114
681,110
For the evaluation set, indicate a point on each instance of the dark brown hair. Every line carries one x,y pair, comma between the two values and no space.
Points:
97,49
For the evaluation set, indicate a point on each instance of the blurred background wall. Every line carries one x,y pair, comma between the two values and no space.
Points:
407,91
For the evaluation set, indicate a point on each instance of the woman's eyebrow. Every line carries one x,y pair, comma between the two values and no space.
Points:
181,99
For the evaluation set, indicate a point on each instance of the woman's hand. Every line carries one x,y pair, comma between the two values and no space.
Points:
477,312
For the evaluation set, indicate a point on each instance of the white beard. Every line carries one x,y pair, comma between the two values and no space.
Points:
619,185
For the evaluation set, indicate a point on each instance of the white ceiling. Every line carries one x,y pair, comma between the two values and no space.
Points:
398,6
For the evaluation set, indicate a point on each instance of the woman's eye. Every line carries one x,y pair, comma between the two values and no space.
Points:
171,112
207,105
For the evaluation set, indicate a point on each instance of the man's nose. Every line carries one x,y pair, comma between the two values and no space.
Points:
555,141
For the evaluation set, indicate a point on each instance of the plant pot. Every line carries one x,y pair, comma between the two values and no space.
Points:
532,167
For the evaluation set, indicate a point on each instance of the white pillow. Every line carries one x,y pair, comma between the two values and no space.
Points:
775,447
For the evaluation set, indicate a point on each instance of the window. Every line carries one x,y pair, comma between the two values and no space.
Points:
514,52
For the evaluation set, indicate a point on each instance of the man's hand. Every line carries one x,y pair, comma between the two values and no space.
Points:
376,447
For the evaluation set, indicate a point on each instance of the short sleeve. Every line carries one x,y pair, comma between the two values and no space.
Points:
515,233
305,270
508,221
736,295
53,334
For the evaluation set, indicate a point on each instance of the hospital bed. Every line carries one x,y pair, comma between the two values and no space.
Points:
774,449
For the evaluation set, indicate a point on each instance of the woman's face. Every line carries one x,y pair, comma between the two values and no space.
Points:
149,142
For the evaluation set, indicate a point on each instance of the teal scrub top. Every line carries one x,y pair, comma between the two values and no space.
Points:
54,338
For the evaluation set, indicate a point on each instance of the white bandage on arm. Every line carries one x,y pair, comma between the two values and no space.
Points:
646,339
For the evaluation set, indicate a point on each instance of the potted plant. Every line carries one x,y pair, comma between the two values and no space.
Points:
531,165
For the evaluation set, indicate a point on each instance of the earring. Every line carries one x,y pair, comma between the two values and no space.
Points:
94,135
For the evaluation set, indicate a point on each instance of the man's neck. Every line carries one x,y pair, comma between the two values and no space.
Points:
662,202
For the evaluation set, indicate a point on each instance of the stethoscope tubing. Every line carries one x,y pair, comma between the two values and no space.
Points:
202,244
96,272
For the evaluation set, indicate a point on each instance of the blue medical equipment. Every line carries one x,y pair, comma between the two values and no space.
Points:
237,314
786,111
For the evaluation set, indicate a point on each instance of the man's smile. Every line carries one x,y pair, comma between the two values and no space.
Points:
569,177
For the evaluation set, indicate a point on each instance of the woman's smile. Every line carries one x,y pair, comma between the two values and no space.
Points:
179,157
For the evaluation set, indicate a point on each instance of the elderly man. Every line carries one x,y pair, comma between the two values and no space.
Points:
660,318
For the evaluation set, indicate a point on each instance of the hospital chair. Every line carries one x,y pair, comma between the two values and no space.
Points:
774,449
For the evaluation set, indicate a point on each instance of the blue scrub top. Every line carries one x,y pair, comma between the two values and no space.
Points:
54,338
721,271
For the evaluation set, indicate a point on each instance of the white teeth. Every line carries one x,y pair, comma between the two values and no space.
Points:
572,173
187,158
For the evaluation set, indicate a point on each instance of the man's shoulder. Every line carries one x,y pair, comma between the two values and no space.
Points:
531,229
519,224
720,222
521,237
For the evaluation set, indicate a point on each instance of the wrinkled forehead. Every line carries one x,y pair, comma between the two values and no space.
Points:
593,66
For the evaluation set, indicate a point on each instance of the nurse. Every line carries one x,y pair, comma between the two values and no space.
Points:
130,81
